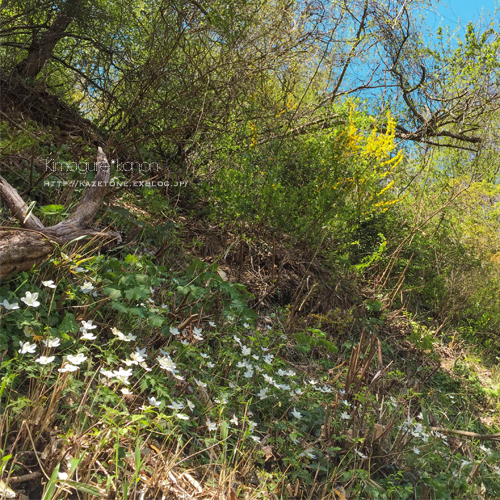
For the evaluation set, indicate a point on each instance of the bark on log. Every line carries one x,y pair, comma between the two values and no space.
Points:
21,249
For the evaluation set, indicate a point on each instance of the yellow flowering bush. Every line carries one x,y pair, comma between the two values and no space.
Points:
336,179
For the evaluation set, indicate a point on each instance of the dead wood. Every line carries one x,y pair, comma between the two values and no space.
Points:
21,249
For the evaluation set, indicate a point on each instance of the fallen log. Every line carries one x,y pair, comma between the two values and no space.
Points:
31,245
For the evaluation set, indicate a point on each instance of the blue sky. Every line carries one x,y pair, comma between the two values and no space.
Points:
453,13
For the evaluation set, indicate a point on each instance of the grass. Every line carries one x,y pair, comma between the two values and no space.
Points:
185,390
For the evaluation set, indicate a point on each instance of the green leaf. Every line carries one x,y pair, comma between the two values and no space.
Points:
137,293
301,338
69,324
137,456
196,265
86,488
51,485
118,306
224,430
52,209
137,311
131,259
143,279
330,346
113,293
156,321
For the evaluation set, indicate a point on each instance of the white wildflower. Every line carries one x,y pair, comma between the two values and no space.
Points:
88,335
51,342
251,425
283,387
308,453
122,375
8,306
117,333
87,287
138,356
166,363
262,394
212,426
197,336
268,358
222,400
30,299
76,360
26,348
44,360
176,405
245,351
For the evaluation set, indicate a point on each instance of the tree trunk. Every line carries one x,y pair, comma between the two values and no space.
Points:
21,249
42,47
